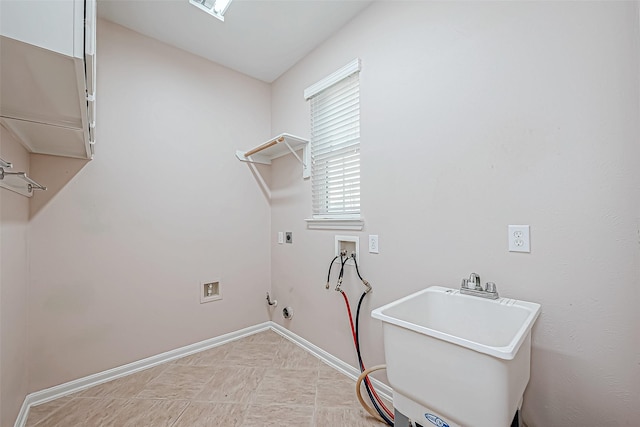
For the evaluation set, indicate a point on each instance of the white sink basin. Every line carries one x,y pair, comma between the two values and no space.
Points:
462,359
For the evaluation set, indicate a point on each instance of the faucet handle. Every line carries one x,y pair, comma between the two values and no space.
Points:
474,282
477,282
490,287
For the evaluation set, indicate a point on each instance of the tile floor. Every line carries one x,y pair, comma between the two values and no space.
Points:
260,380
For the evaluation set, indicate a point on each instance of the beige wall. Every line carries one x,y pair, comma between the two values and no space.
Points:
475,116
14,282
118,253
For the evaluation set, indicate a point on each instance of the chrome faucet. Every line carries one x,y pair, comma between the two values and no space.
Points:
473,286
474,282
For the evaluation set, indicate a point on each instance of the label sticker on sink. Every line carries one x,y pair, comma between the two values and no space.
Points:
434,419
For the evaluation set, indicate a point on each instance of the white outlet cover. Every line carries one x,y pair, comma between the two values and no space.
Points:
373,244
519,238
280,237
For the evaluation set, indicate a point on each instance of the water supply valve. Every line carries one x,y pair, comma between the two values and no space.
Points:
272,303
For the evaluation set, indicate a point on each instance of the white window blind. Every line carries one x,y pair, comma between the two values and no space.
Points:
335,149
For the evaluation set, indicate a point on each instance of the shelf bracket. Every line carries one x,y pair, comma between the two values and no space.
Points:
263,154
5,164
21,188
305,161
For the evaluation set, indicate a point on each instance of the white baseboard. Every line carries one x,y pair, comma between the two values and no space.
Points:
21,421
382,389
46,395
74,386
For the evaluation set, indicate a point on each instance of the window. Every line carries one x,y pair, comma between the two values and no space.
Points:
215,8
335,145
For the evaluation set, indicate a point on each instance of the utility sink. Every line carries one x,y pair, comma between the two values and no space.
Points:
457,360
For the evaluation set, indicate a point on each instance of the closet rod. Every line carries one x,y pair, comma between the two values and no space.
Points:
264,146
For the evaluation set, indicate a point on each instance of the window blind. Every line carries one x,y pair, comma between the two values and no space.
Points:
335,150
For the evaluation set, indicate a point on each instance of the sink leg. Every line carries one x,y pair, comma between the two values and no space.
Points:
400,420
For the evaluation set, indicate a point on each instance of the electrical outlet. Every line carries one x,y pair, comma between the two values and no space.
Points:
519,240
280,237
373,244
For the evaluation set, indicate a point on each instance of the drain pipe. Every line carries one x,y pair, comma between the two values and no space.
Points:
368,408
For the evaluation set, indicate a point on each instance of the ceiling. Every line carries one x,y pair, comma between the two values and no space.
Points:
260,38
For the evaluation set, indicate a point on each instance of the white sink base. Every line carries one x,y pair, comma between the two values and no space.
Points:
464,389
442,358
417,413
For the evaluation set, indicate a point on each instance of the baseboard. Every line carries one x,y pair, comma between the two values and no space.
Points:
43,396
381,388
74,386
21,421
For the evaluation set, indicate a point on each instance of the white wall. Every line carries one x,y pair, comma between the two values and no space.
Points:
14,282
118,253
475,116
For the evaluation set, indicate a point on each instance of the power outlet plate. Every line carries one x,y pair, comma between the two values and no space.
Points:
519,239
373,244
280,237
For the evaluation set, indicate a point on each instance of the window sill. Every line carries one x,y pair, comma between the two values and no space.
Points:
335,224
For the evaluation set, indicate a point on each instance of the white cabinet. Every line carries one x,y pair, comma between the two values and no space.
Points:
47,74
55,25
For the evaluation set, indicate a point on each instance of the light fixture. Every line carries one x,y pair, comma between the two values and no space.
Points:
215,8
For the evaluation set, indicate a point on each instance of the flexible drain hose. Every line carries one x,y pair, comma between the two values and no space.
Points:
362,376
369,386
370,390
